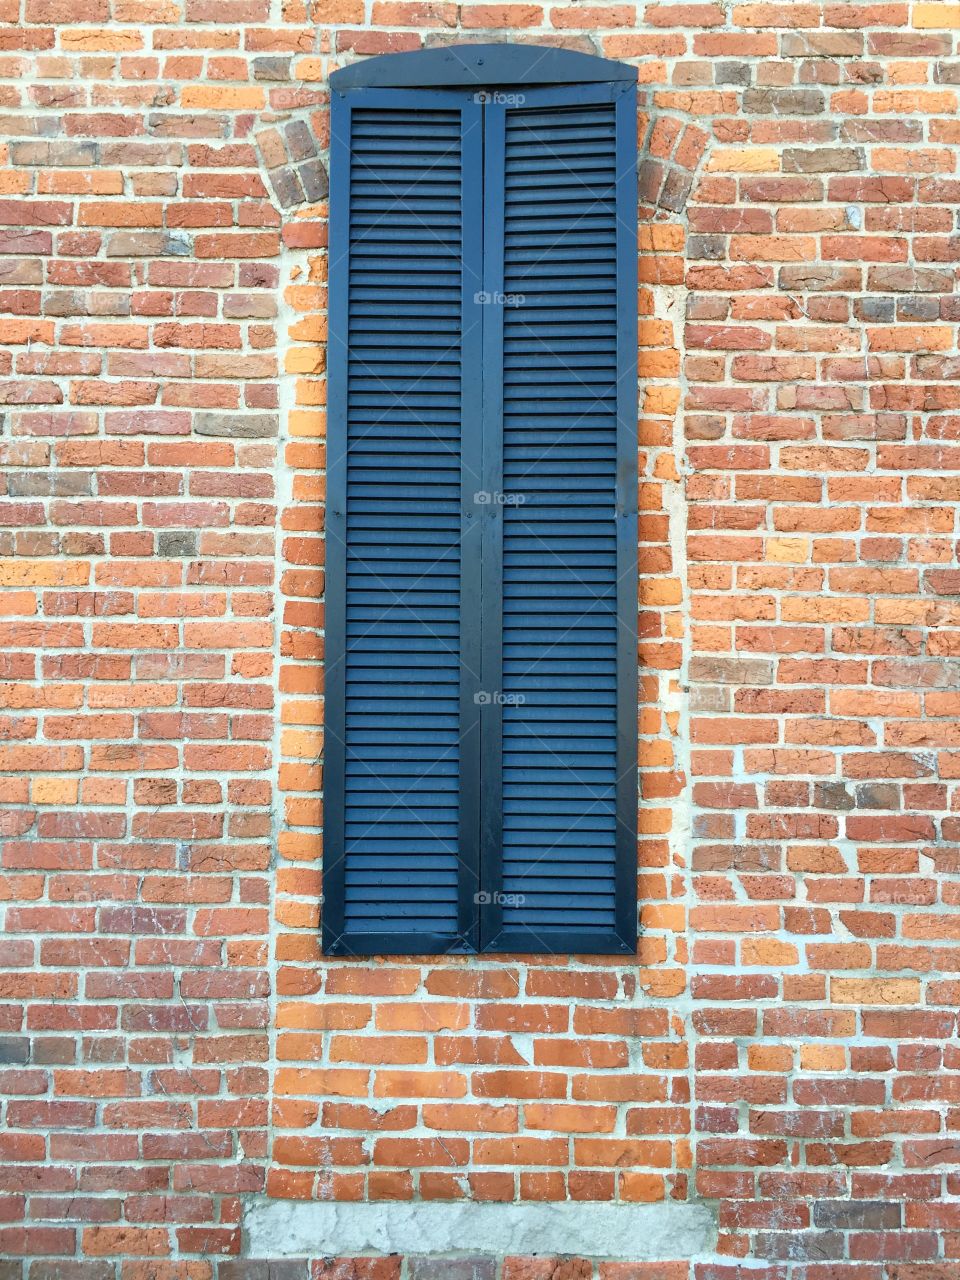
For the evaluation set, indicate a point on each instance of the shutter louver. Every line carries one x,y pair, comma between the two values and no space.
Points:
400,656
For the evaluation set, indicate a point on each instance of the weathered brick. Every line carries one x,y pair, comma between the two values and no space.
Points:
162,748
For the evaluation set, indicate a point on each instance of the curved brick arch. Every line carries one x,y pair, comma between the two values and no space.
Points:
291,157
672,153
672,149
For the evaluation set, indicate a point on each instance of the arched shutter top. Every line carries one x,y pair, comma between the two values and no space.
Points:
485,65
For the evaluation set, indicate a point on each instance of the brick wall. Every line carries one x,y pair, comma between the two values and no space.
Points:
785,1045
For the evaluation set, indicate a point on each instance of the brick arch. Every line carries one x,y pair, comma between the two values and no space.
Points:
672,150
290,150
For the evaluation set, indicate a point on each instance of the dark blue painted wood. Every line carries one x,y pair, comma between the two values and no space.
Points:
480,65
562,846
471,553
491,609
404,360
480,756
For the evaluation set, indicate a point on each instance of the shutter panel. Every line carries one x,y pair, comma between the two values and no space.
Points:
560,202
480,661
405,246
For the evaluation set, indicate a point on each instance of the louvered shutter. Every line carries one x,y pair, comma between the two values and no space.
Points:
404,266
560,204
480,721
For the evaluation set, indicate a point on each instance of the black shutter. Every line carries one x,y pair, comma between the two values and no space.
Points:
560,842
404,261
480,752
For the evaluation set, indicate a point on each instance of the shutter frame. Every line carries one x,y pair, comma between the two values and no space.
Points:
626,933
479,922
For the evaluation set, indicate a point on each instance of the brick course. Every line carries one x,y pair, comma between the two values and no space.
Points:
784,1046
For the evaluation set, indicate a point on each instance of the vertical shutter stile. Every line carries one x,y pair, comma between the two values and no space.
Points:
404,259
561,185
